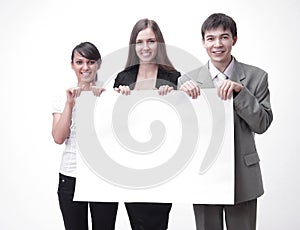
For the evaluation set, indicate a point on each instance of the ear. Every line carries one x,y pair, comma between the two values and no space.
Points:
203,42
234,40
72,65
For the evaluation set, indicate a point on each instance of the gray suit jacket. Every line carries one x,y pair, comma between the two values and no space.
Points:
252,114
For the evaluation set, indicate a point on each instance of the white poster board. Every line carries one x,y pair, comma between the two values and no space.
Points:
150,148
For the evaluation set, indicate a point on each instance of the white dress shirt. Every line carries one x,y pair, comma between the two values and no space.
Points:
218,76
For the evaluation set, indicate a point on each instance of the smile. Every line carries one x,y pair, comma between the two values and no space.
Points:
86,74
146,54
218,52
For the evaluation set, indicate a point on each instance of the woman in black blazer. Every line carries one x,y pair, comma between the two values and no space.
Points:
148,67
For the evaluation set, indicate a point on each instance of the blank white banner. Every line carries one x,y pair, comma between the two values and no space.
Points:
150,148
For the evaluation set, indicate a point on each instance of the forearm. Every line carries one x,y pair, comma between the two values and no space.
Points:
61,124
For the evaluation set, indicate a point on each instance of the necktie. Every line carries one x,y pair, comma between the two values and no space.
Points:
219,79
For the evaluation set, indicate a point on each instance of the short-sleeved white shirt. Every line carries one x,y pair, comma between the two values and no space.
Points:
68,162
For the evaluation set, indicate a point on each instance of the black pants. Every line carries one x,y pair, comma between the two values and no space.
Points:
148,216
75,214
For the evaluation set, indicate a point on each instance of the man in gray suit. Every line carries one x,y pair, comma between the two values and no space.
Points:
248,85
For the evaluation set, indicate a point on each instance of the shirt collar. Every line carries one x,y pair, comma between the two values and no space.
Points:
214,71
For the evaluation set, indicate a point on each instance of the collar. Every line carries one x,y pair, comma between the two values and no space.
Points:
214,71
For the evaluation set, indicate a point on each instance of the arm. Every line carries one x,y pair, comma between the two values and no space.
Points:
61,121
255,108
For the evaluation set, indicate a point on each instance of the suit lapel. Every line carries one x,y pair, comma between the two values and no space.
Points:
204,78
238,74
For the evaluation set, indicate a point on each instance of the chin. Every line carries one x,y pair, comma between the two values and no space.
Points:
148,61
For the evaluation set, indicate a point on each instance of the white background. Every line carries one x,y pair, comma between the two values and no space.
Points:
36,40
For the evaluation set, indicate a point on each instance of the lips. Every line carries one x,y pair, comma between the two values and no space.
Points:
218,52
146,54
86,74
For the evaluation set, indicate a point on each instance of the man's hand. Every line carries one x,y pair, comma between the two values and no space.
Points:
191,88
227,88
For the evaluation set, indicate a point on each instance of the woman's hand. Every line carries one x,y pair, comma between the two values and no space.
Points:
164,90
123,89
75,92
97,90
72,93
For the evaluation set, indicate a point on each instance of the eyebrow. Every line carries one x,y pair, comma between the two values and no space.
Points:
147,39
210,35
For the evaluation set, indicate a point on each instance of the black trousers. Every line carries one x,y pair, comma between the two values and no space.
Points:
75,214
148,216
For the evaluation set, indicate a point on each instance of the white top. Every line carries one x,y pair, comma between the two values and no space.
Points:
68,162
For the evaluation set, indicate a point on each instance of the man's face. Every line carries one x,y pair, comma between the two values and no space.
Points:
218,44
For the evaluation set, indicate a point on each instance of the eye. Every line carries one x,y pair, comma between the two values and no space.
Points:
78,62
91,62
225,37
209,39
151,41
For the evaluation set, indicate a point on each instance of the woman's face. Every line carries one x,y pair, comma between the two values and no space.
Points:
146,45
85,69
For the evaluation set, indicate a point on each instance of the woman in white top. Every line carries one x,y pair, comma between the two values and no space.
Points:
85,61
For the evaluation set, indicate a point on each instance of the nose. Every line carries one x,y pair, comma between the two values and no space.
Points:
145,46
85,66
218,42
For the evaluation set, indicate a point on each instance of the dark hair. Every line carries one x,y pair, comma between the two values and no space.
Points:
219,19
162,59
87,50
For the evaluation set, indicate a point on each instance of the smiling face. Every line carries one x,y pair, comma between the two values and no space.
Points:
85,69
218,44
146,45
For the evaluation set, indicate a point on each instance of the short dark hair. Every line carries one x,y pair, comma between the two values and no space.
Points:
87,50
219,19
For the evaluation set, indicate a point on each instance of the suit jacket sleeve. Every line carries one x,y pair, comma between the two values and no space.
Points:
252,103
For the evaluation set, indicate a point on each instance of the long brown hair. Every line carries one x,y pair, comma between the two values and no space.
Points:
162,59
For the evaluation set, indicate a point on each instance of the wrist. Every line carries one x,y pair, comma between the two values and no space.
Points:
237,91
70,104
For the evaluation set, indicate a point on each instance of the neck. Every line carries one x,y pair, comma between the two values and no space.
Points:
148,69
86,86
221,66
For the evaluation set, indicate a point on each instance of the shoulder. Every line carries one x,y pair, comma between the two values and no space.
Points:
172,74
199,75
126,76
250,75
128,71
250,68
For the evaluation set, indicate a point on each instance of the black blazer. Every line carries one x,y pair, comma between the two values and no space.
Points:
129,75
